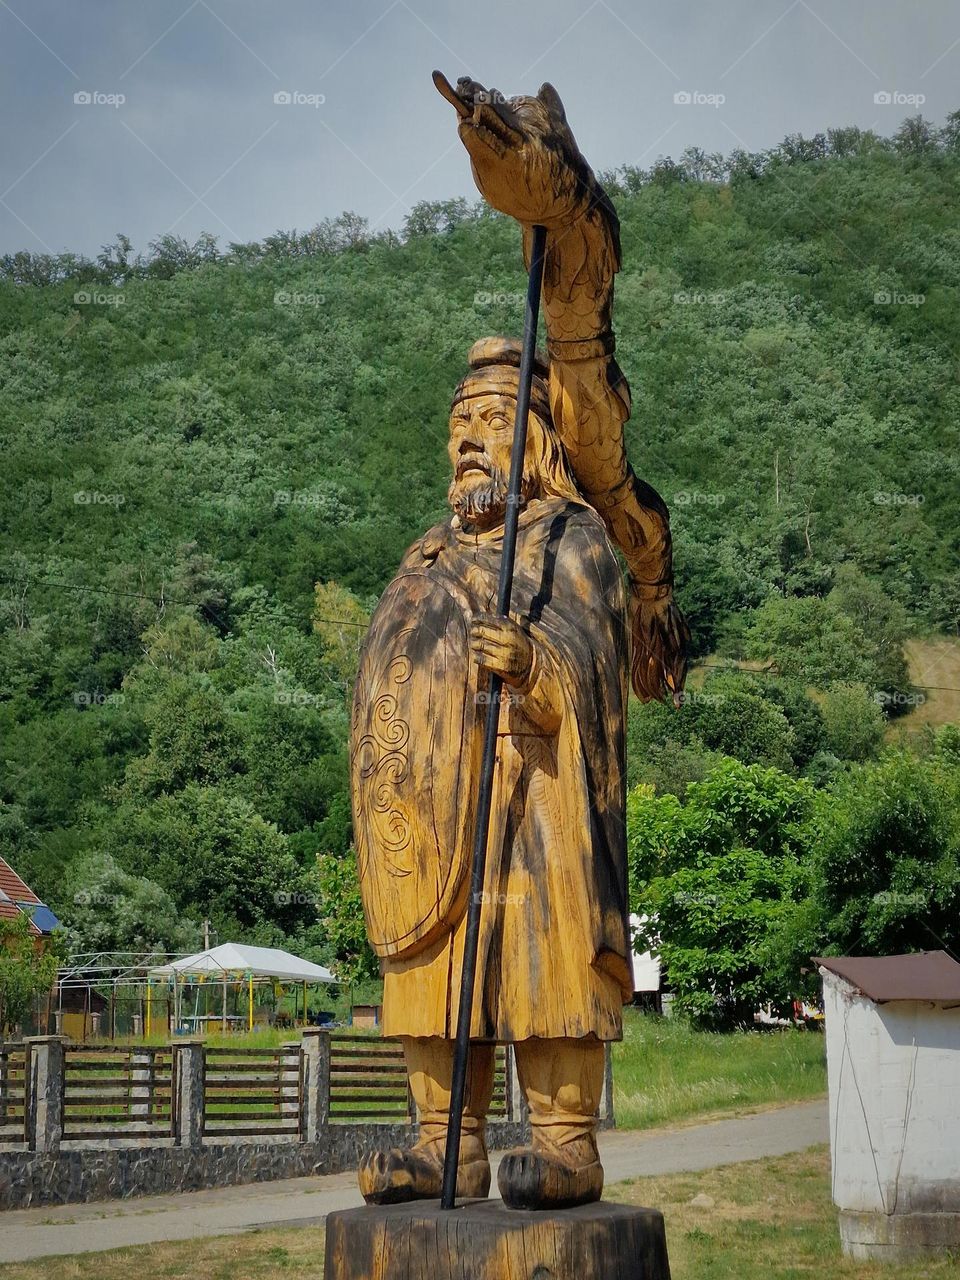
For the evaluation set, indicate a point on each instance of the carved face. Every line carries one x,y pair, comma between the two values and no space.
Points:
481,440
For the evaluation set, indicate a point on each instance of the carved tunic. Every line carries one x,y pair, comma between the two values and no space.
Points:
553,939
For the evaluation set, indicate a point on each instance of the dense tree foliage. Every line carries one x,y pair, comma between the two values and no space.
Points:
754,872
216,456
714,876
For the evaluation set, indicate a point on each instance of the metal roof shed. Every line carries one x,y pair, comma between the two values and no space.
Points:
893,1066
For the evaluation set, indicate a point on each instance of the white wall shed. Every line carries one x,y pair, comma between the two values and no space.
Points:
893,1064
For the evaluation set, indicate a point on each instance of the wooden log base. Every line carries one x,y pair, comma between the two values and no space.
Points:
484,1240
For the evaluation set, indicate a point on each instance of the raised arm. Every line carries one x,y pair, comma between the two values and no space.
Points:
526,163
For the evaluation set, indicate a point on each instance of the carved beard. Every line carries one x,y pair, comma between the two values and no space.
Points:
481,499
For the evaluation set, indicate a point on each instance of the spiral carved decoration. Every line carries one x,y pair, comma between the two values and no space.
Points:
381,762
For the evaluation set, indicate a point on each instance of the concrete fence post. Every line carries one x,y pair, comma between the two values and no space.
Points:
606,1106
314,1083
45,1093
515,1098
188,1061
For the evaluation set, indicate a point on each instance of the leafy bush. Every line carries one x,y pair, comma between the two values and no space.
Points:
712,877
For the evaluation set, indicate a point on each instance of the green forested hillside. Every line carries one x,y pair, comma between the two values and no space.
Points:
196,437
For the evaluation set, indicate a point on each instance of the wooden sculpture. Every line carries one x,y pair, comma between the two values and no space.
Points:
553,944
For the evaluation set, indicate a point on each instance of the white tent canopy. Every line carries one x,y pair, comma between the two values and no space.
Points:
235,960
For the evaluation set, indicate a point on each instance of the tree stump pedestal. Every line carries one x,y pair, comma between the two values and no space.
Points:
483,1240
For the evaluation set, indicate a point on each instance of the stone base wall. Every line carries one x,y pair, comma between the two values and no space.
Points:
29,1179
898,1237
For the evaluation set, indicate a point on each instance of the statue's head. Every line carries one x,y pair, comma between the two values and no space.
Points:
481,437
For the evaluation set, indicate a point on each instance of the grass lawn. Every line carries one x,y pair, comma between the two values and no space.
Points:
664,1072
763,1220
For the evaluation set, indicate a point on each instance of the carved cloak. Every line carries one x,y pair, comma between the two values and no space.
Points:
554,950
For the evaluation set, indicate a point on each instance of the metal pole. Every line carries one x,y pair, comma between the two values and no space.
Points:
484,798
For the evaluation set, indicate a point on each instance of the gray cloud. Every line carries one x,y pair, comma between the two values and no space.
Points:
199,144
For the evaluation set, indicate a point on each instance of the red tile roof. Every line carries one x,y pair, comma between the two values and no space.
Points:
16,889
12,891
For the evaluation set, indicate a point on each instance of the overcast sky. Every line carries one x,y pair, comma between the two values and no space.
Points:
198,143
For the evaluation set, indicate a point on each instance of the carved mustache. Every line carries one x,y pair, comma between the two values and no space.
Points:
473,462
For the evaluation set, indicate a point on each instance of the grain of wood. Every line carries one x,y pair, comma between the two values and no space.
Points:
485,1241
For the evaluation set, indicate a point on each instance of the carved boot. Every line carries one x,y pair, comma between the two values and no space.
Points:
562,1080
548,1176
416,1172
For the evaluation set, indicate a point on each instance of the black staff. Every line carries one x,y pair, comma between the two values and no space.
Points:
468,975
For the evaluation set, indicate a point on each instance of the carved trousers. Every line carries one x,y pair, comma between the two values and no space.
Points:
561,1079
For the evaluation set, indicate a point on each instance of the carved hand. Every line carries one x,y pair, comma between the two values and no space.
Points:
501,646
524,157
526,163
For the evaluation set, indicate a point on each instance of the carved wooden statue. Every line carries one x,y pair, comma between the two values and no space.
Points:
554,953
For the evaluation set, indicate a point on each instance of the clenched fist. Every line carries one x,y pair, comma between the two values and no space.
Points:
501,646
